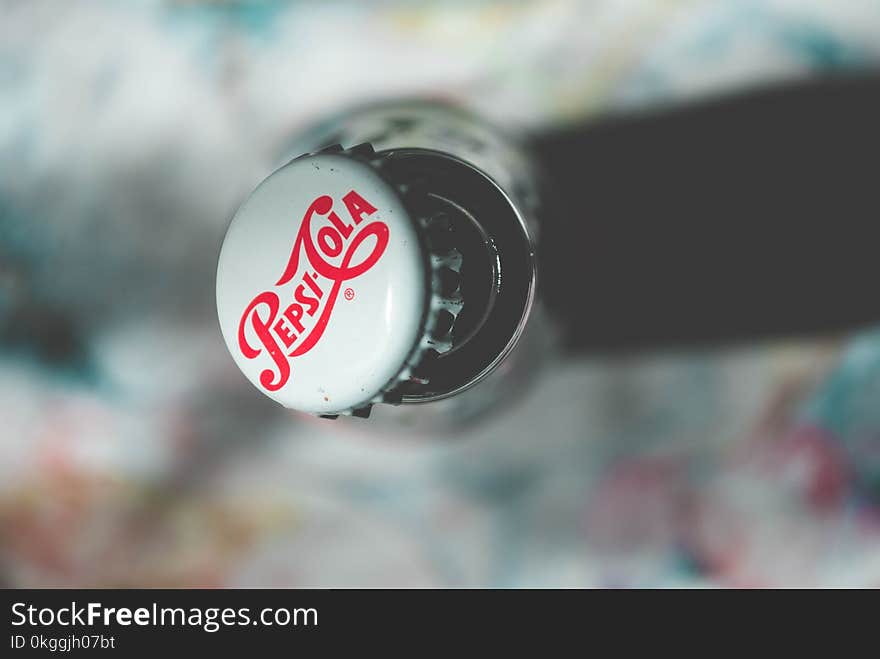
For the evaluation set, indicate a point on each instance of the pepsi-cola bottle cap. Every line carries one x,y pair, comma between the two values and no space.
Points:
322,285
350,278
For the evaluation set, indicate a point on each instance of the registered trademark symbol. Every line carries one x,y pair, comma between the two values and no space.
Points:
349,294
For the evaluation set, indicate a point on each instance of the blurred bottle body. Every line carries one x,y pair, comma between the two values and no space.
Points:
502,196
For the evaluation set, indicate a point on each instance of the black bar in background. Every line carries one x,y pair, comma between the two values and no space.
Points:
734,219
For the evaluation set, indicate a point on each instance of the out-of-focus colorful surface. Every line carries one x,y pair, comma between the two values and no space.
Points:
132,452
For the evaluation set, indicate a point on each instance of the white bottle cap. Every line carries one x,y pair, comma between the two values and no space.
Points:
322,285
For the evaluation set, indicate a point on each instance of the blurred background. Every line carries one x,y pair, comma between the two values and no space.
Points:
134,453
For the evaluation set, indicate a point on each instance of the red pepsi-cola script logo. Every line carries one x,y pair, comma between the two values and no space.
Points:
285,332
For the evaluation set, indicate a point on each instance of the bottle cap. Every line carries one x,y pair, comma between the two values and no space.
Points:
349,278
321,285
